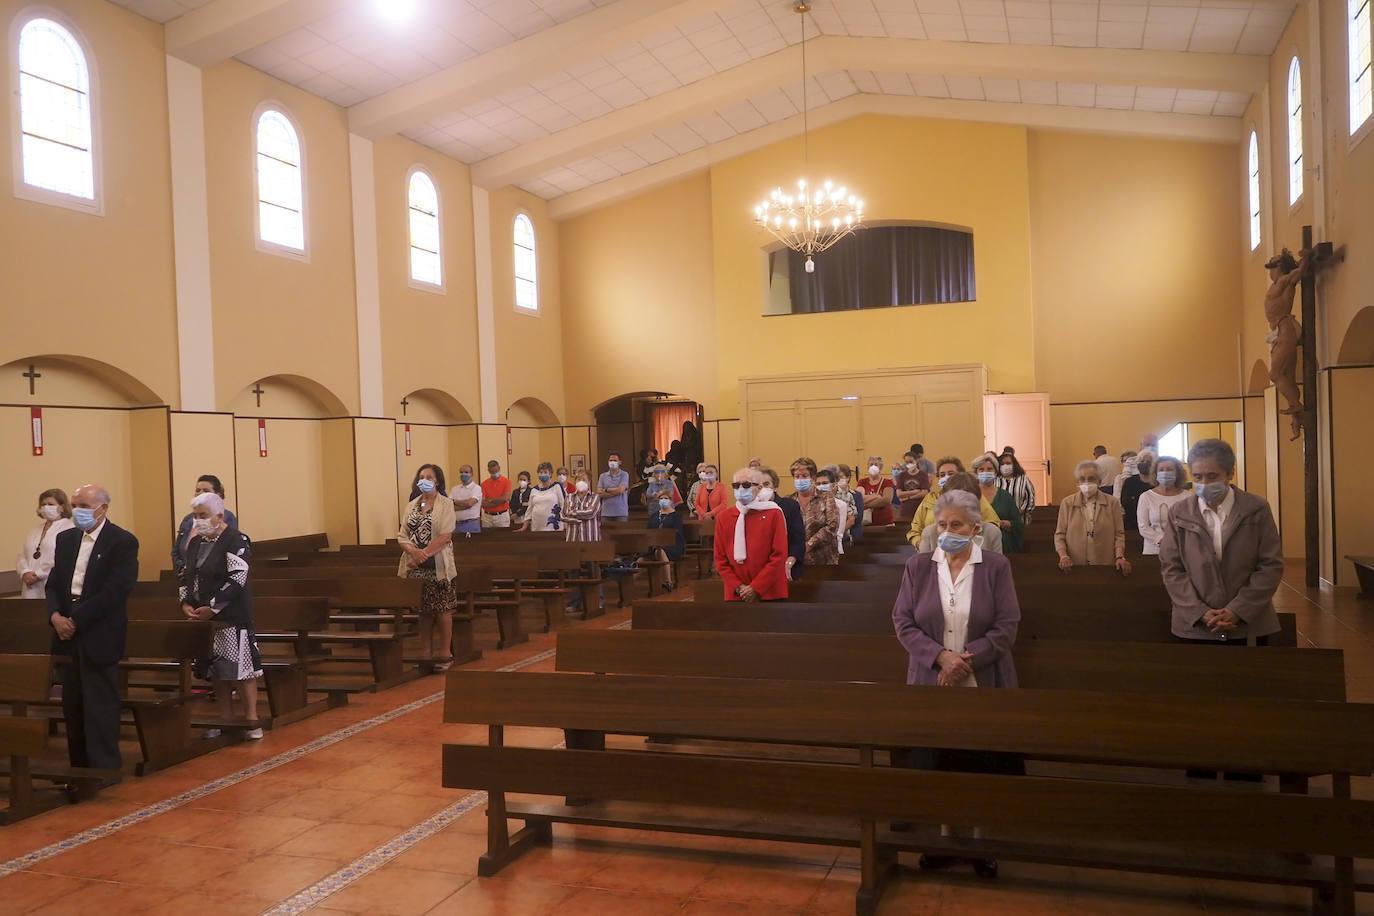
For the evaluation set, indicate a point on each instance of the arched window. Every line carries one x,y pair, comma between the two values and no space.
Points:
55,116
1361,100
426,264
1254,192
1294,132
526,271
281,204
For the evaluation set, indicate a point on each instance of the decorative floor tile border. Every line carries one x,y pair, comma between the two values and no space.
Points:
177,801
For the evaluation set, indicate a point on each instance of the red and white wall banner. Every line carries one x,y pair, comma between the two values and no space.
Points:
36,430
407,440
262,438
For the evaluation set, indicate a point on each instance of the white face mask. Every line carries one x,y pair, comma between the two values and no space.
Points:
562,478
203,526
524,484
765,494
581,486
911,467
50,512
874,470
613,465
1087,489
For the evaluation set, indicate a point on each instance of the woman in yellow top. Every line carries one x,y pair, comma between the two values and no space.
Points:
945,468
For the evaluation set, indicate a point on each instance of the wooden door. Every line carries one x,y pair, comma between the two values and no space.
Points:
1023,422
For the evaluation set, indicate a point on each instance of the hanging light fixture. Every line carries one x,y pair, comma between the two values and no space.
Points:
812,218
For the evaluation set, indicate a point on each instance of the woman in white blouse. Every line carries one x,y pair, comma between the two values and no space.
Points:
1152,511
35,560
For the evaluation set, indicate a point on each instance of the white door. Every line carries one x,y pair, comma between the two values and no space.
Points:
1023,422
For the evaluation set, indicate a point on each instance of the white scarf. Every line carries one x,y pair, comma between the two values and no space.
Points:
757,505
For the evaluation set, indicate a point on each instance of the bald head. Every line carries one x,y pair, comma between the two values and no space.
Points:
90,502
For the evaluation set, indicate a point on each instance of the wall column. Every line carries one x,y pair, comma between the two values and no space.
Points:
486,308
367,281
191,236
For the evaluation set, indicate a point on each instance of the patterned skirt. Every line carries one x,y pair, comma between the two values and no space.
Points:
436,596
235,657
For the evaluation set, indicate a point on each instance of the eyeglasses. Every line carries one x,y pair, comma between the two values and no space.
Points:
743,486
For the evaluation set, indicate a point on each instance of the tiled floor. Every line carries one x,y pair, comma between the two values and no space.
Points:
253,846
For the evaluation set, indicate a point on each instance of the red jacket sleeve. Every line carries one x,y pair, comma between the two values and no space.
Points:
724,550
771,581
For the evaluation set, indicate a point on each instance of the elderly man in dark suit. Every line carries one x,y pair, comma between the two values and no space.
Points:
94,569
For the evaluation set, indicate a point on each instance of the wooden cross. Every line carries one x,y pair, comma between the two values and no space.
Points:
258,392
404,404
32,376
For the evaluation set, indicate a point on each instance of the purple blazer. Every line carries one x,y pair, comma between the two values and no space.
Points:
993,617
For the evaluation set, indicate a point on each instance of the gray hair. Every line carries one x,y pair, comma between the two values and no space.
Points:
210,502
1088,465
1216,449
833,470
963,501
986,456
753,475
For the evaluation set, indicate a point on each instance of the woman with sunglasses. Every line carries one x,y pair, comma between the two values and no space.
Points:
751,543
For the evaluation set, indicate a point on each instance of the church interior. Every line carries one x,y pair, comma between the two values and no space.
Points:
310,246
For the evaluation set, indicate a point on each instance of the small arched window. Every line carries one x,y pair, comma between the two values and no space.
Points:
57,140
1294,131
281,201
1361,90
526,270
426,264
1253,170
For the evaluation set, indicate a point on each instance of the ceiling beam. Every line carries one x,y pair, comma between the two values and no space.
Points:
224,28
1162,69
1160,125
522,62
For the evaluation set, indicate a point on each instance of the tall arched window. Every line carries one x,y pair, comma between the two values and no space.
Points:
1254,192
1361,99
426,264
57,140
1294,132
281,201
526,271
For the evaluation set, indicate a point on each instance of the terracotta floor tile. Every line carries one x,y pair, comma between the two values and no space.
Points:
391,810
448,851
178,867
107,899
317,804
278,876
494,897
211,904
998,897
24,891
101,858
591,901
396,891
339,842
180,825
782,884
250,795
662,871
253,832
562,863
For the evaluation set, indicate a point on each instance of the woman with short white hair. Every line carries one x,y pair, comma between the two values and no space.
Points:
1091,531
214,586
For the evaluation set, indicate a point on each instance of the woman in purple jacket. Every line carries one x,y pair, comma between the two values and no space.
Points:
957,614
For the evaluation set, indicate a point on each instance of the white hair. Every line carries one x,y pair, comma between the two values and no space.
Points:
211,502
754,475
1086,465
986,456
963,501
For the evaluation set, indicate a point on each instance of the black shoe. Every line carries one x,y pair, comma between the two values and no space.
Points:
985,868
929,862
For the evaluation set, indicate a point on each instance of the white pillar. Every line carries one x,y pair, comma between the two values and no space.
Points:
191,236
366,276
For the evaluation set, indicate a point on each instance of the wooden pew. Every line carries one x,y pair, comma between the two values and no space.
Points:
876,619
24,679
1209,832
280,547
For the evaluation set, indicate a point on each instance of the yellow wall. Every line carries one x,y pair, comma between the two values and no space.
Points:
429,337
202,443
75,277
283,494
636,273
529,348
276,314
1131,242
374,449
1352,391
151,475
945,172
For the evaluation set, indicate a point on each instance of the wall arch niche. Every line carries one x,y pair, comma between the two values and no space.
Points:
1259,377
1357,347
630,423
535,435
434,426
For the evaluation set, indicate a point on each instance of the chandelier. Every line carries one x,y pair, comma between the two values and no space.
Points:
813,218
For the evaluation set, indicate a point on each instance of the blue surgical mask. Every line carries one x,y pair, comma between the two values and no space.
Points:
84,518
495,475
744,497
544,478
665,505
1211,492
708,477
943,481
954,543
803,484
1166,478
823,487
424,485
465,478
613,465
986,477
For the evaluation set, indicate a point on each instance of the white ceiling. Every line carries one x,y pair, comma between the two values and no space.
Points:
350,54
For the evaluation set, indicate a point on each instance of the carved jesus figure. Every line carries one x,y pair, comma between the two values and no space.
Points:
1285,334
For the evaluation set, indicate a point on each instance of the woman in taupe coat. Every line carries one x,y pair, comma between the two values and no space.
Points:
1091,530
1221,557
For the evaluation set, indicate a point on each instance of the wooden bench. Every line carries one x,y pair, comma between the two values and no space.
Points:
1364,571
1212,832
24,679
876,619
280,547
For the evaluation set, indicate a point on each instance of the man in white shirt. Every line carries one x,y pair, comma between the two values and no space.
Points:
94,570
1108,466
467,503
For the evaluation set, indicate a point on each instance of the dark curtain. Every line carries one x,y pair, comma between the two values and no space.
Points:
883,266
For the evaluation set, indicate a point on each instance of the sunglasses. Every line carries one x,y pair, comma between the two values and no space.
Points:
743,486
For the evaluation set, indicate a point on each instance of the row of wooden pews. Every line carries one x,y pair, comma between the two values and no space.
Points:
777,721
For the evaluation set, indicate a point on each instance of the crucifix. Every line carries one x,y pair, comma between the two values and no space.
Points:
32,375
258,392
404,404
